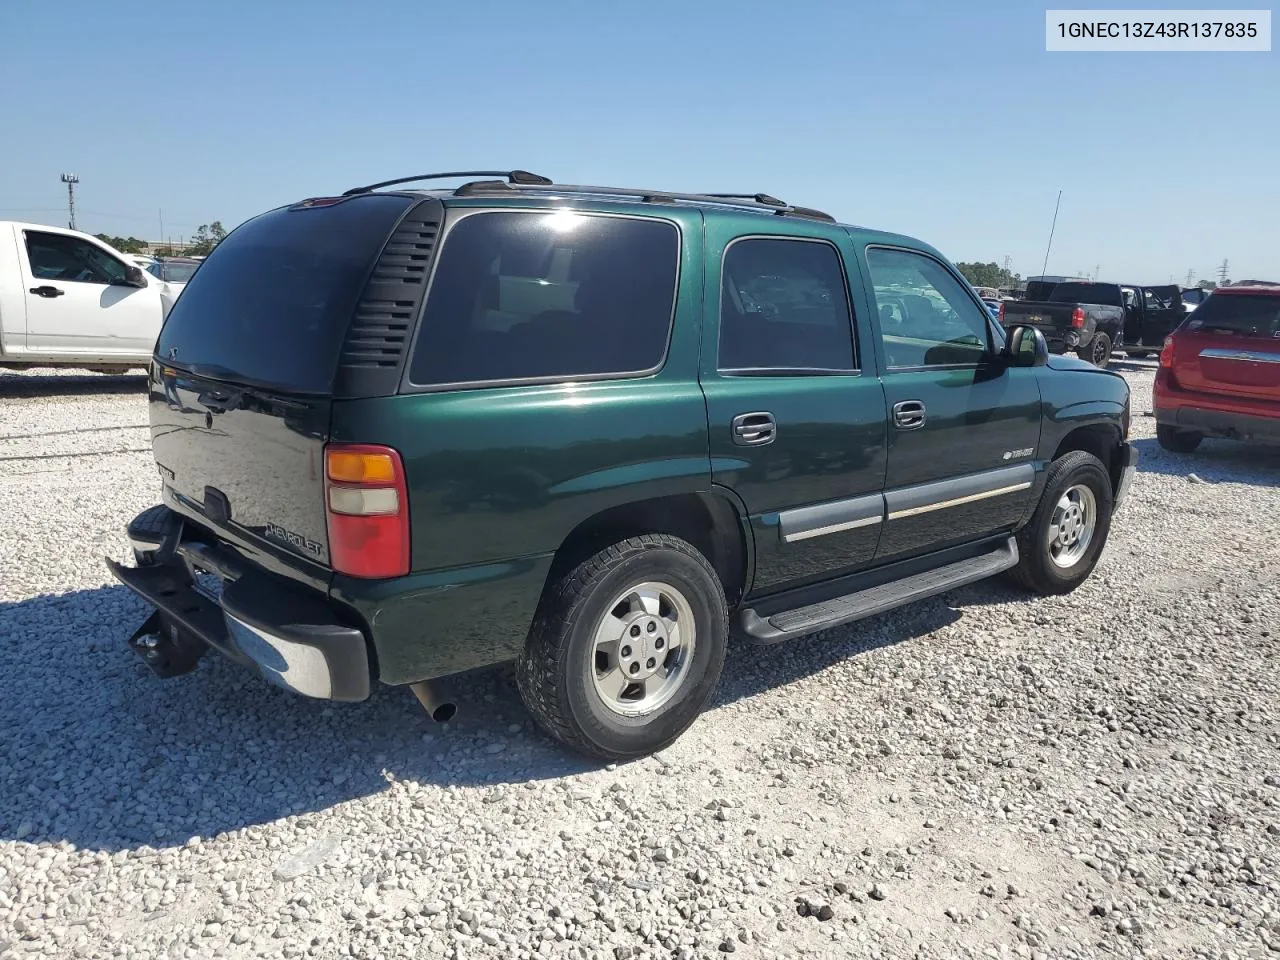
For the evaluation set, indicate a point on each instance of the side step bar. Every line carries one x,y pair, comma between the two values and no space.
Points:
786,624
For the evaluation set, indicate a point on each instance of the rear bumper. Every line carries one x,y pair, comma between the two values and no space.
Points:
286,634
1224,424
1224,417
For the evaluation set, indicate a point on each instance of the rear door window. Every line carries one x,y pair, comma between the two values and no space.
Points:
271,304
784,307
529,296
1250,315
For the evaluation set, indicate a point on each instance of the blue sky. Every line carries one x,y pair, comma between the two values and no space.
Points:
942,120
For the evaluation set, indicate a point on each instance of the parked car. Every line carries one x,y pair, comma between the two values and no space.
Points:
1219,372
68,299
591,430
1082,316
174,270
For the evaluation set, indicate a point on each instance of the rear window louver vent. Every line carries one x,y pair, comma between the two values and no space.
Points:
373,352
379,333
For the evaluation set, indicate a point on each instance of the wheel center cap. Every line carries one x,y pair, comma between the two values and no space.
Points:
643,647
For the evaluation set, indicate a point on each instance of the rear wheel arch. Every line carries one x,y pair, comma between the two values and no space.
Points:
710,522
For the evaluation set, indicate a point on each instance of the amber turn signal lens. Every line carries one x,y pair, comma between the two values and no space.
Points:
345,466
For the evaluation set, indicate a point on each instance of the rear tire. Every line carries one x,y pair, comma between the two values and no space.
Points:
1097,351
1060,546
1177,441
649,607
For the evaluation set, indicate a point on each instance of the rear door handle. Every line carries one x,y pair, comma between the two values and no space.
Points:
47,291
754,429
909,415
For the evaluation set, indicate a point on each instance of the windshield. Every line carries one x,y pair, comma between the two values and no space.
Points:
1103,293
1254,315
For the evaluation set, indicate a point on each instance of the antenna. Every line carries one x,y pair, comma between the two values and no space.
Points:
1045,269
70,179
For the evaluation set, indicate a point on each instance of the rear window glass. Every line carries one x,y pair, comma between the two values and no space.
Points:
1251,315
531,296
1103,293
271,304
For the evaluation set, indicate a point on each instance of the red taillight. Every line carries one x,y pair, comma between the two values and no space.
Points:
1166,354
367,506
1077,318
1002,313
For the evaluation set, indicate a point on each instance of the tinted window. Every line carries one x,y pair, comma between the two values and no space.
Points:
1193,296
1039,289
54,256
179,272
1107,294
1251,315
784,306
522,296
927,316
272,303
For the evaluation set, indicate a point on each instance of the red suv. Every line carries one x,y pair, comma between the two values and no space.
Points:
1219,372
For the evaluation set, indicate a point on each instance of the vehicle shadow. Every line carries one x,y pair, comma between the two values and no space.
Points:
99,752
70,384
1132,364
1214,461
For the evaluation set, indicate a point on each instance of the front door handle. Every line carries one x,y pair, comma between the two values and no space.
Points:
47,291
908,414
754,429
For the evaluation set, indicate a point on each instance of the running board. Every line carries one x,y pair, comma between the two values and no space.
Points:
799,621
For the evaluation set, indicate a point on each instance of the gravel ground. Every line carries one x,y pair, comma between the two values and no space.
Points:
977,775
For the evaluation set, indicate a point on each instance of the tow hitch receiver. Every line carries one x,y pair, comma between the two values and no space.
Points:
165,647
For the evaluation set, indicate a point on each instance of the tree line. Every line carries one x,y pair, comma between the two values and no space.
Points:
207,236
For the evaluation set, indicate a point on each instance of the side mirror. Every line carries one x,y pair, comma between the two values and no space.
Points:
133,277
1026,347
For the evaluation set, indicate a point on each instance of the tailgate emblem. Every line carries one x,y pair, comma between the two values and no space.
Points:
297,540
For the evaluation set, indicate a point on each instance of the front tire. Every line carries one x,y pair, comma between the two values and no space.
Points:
1060,546
1097,351
1177,441
626,648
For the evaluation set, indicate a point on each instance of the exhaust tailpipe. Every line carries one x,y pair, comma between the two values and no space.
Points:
435,700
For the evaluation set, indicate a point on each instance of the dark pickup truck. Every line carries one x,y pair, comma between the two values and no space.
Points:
1081,316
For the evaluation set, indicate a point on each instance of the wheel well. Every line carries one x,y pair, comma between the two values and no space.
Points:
707,521
1100,439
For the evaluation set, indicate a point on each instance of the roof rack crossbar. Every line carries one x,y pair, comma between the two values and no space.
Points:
750,201
523,177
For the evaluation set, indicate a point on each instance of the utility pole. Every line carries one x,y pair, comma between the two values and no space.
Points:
70,179
1222,274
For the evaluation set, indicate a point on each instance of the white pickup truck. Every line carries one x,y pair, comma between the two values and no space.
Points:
69,300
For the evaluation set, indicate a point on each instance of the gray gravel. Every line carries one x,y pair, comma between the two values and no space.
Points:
979,775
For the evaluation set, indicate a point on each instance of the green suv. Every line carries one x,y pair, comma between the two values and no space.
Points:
592,431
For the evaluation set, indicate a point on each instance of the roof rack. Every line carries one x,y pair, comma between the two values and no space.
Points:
523,177
744,200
